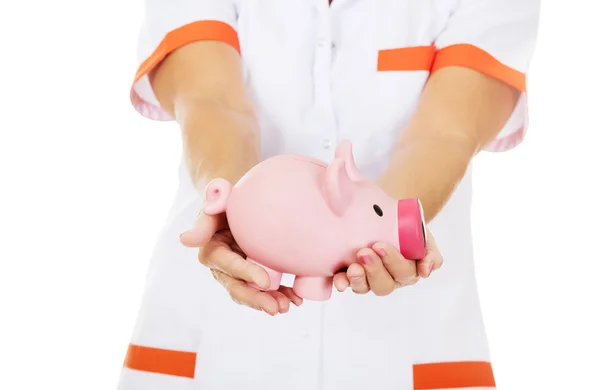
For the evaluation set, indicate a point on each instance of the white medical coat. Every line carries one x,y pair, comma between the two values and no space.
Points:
319,73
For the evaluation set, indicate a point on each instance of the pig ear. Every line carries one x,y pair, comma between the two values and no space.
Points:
344,151
337,187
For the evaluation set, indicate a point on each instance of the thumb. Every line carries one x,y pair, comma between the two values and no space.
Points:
204,228
433,259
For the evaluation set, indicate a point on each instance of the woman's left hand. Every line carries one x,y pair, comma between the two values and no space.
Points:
382,269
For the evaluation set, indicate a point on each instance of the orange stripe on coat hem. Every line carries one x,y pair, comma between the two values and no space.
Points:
406,58
453,375
161,361
204,30
473,57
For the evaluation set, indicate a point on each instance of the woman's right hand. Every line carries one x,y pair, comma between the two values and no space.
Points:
219,252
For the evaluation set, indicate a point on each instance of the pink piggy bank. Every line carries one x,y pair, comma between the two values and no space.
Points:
297,215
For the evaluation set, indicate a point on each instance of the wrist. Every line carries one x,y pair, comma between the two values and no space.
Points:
218,142
232,170
427,168
229,162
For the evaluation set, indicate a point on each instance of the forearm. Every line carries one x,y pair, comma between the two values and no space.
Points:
218,141
201,86
460,112
428,169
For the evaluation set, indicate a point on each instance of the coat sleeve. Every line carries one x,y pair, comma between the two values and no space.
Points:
496,38
169,25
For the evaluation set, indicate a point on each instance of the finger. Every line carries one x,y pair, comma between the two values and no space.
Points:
282,301
402,270
204,228
291,295
378,278
245,295
358,279
341,281
433,259
218,255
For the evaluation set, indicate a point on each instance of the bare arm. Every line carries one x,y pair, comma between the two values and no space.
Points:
201,85
460,112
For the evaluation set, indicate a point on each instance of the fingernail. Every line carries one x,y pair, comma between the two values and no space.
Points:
380,252
431,268
365,259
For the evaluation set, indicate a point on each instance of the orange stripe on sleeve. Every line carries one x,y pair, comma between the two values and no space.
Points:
204,30
406,58
470,56
453,375
161,361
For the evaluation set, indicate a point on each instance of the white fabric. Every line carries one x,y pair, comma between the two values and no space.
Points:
312,73
507,30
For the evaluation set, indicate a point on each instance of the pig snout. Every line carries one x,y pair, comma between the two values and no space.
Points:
411,229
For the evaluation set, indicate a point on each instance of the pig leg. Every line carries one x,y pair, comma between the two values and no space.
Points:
313,288
274,276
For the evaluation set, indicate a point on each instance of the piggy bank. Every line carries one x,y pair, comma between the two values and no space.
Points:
297,215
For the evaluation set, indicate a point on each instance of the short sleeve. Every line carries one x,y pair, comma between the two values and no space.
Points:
169,25
496,38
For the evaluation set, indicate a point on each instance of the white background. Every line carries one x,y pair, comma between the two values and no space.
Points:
85,185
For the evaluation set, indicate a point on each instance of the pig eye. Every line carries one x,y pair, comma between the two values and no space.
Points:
378,210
